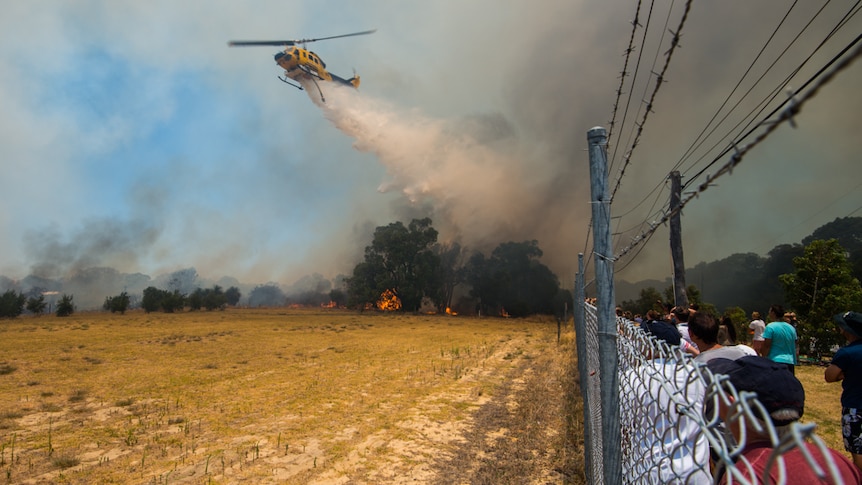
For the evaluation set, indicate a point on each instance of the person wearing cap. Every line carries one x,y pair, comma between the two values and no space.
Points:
846,366
779,339
783,399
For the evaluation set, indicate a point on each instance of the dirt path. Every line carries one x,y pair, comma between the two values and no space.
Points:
522,434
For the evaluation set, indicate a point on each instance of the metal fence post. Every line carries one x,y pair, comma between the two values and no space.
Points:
605,305
583,371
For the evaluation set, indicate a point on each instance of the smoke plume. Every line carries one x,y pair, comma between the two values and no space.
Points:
471,175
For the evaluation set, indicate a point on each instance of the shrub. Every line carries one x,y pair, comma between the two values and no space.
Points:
11,304
117,304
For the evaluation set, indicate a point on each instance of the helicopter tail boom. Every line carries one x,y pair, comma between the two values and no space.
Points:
352,82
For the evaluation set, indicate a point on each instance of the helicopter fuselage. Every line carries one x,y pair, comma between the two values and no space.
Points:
302,64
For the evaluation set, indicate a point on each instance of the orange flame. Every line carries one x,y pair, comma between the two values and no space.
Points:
389,301
504,313
450,312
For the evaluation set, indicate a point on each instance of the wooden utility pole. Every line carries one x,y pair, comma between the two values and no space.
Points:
679,294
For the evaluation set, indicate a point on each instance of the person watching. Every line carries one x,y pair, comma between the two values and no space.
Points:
846,367
783,399
704,332
779,339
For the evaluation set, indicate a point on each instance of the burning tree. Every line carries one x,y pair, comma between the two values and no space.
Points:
389,301
399,259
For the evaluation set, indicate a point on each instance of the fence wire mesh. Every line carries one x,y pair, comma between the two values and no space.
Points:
670,426
592,390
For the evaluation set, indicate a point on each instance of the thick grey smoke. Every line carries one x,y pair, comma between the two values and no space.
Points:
474,114
101,242
469,175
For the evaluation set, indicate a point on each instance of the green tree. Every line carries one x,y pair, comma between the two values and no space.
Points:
214,298
362,287
268,295
117,304
196,299
451,272
821,285
152,299
483,286
513,280
649,299
232,295
338,296
155,299
65,307
694,298
11,304
36,304
173,301
399,259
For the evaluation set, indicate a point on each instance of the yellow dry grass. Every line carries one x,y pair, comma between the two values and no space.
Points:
822,405
255,396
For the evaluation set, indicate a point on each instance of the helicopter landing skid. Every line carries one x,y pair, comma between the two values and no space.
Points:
285,81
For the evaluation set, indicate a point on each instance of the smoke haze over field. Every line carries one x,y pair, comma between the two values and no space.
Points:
133,139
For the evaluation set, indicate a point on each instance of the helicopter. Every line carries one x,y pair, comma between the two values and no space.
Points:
301,64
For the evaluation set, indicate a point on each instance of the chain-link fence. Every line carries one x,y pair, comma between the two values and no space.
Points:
671,430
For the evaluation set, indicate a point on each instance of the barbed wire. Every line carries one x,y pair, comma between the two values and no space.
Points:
674,43
624,73
787,115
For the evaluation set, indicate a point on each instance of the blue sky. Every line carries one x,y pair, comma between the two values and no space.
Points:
131,136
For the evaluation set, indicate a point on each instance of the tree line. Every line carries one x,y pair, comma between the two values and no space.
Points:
13,303
407,261
820,283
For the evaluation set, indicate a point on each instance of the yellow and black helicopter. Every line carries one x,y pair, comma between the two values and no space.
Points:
301,64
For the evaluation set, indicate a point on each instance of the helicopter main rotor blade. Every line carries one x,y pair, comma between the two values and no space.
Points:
364,32
251,43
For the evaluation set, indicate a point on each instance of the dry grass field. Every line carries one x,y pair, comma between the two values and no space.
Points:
822,405
287,396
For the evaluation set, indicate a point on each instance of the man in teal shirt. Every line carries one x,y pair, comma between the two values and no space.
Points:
779,339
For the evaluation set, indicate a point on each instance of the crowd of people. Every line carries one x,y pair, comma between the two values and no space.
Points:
765,368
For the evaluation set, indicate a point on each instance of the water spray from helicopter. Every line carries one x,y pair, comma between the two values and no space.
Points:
467,174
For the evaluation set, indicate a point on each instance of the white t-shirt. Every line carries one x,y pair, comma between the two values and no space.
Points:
758,326
682,327
668,446
731,352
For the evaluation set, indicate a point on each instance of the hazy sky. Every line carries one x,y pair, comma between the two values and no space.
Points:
131,136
